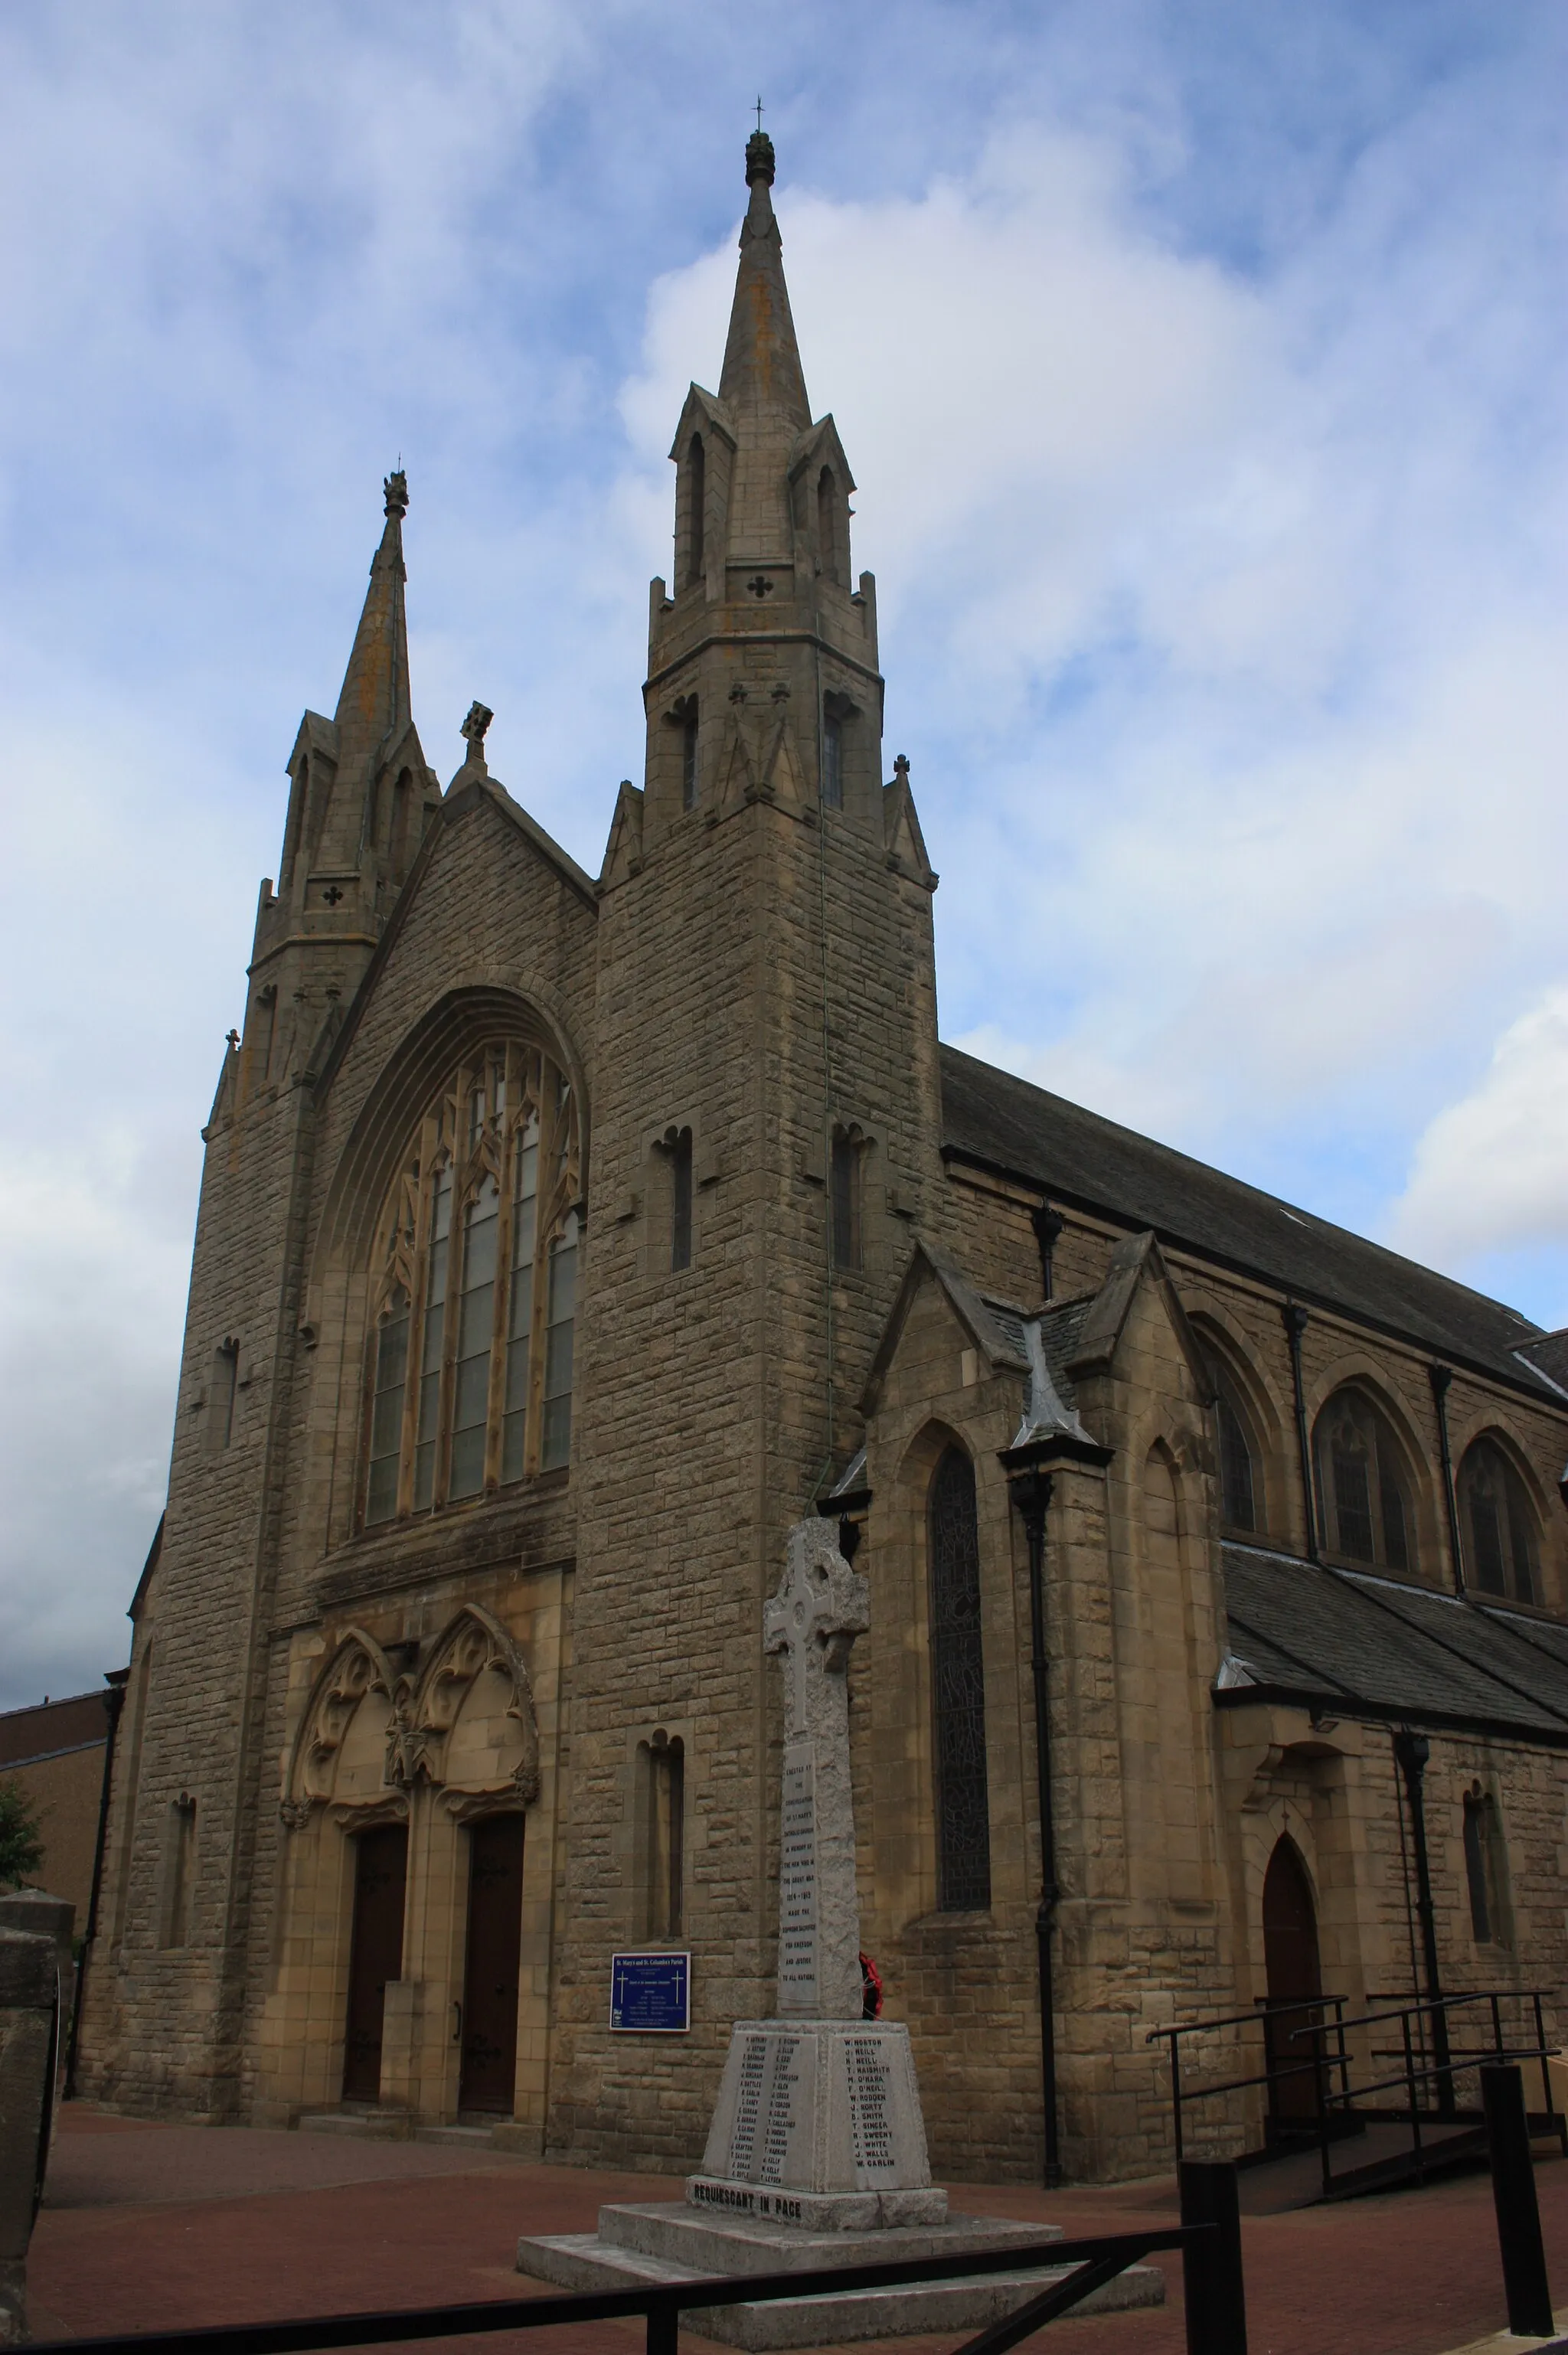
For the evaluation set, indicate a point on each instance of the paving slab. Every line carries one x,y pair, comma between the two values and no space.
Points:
141,2232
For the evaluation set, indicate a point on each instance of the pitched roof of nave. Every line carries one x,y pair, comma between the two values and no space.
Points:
1086,1162
1308,1632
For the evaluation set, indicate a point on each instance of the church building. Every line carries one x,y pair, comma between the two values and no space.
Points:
563,1240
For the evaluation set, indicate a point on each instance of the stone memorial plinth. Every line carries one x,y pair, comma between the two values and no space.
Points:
817,2154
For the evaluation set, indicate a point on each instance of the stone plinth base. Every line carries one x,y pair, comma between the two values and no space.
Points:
667,2242
816,2212
816,2109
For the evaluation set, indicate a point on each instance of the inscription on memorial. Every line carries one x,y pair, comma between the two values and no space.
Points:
748,2108
870,2112
784,2109
797,1882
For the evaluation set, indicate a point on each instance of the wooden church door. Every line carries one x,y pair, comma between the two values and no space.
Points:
1291,1965
487,2079
375,1954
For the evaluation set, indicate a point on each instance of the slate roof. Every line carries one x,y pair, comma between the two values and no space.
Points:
50,1728
1334,1637
1549,1355
1079,1158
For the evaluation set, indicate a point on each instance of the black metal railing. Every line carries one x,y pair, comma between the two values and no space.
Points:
1208,2240
1346,2093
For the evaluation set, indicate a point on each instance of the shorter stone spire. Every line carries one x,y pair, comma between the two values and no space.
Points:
375,698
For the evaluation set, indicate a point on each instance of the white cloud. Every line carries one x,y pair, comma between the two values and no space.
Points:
1221,575
1491,1171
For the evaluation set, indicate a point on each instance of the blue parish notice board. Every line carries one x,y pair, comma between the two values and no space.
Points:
651,1992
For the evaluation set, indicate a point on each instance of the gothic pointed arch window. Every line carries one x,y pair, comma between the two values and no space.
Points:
958,1690
1241,1484
1499,1525
1364,1487
469,1365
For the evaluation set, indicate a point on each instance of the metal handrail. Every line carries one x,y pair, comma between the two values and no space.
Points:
1326,2065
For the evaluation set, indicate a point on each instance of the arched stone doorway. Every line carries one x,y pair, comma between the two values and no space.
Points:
1293,1977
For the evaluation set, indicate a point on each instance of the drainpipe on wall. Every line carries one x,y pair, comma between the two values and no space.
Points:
1048,1225
1412,1751
114,1703
1440,1376
1295,1319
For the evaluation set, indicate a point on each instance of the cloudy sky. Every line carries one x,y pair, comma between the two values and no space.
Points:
1202,369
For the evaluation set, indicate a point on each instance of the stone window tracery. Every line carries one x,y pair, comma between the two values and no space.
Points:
1499,1525
470,1363
1368,1511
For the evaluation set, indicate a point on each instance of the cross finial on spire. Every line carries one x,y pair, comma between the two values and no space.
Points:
473,727
759,110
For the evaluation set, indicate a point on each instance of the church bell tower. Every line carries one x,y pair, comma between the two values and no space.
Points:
764,1144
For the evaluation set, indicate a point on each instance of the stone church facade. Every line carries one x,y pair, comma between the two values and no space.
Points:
561,1242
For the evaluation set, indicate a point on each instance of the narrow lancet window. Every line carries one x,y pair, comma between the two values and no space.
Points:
220,1396
832,761
476,1322
696,512
958,1691
663,1765
520,1318
179,1871
688,757
1238,1485
844,1202
827,524
387,1408
1485,1874
557,1356
434,1338
678,1147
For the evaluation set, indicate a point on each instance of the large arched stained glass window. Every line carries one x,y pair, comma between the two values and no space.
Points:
1499,1528
475,1270
958,1690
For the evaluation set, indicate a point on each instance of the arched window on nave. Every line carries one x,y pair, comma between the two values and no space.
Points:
1364,1489
1241,1466
958,1690
1498,1525
469,1369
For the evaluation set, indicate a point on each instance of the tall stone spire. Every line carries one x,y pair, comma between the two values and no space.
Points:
762,375
374,703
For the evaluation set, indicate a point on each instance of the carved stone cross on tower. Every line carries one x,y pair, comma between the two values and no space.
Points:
821,1606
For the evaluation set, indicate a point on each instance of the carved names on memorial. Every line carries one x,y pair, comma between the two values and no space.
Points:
870,2111
797,1883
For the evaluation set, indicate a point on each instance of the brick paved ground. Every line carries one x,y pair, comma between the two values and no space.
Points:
148,2228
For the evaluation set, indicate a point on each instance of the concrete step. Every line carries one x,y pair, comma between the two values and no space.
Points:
365,2126
582,2261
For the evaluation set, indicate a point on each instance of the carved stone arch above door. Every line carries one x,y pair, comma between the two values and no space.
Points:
358,1673
471,1726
